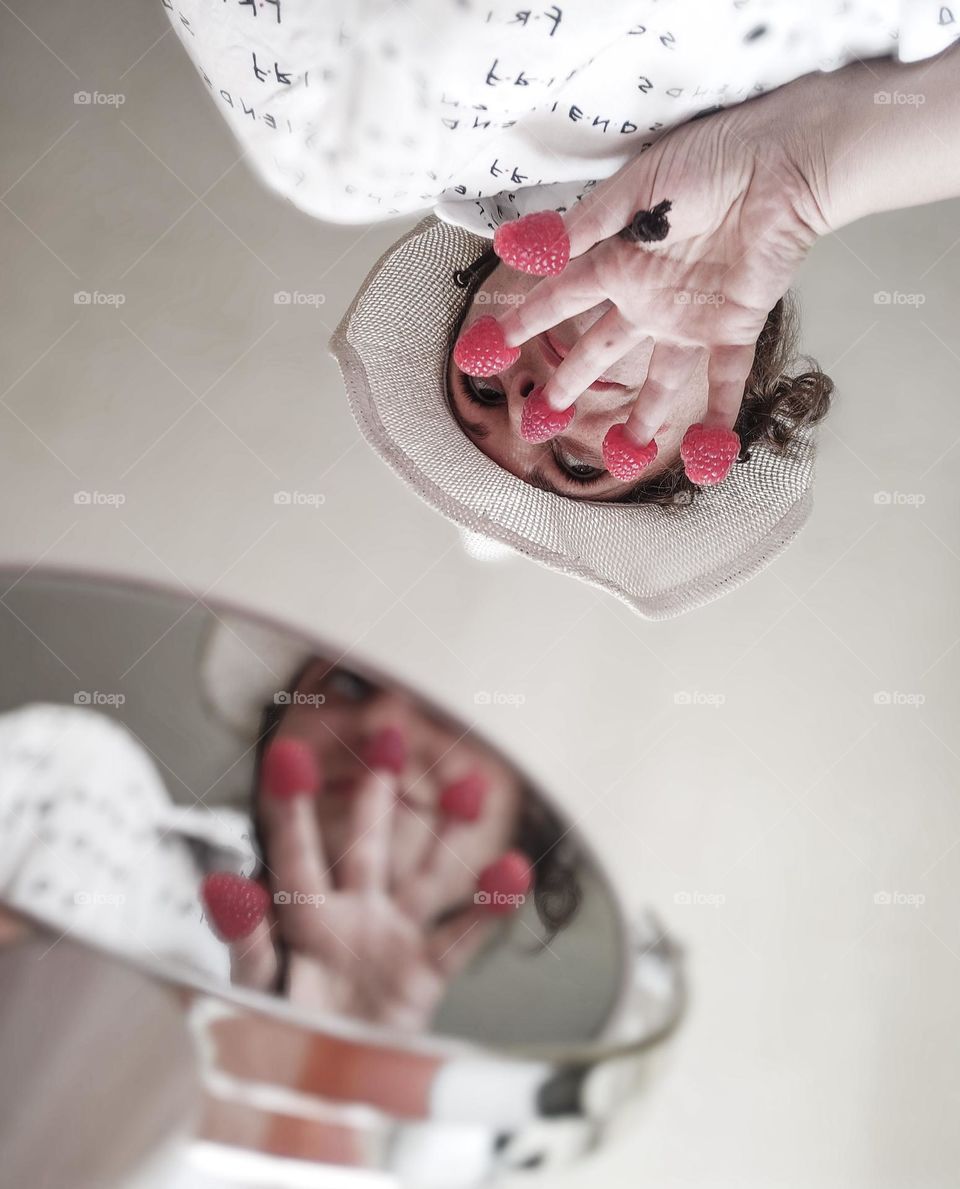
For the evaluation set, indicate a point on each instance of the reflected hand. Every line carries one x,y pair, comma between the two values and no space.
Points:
358,944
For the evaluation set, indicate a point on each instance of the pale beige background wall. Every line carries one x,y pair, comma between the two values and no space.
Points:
822,1045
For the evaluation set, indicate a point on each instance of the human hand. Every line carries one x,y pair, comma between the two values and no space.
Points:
358,943
737,234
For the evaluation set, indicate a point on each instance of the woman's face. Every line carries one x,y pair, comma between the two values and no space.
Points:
488,410
340,727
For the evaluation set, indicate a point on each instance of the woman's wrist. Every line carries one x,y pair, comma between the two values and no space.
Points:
873,136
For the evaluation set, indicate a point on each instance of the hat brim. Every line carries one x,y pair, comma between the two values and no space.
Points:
392,347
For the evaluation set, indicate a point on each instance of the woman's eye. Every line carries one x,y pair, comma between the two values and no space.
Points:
575,467
483,394
348,685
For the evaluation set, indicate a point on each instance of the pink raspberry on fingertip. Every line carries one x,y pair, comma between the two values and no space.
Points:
625,457
481,350
235,905
537,244
540,423
708,452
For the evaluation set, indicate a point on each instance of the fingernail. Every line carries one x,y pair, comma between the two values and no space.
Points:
537,244
386,749
539,422
235,905
708,452
625,457
503,885
463,800
290,769
481,350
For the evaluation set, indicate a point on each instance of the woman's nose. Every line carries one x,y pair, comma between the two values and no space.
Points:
595,411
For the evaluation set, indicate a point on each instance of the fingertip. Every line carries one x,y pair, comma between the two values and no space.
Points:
235,905
386,750
290,768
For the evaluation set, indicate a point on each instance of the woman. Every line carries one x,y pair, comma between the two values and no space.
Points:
493,114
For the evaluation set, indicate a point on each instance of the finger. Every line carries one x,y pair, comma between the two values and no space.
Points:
237,910
455,943
365,865
610,206
440,874
727,375
294,857
253,960
553,300
668,374
606,342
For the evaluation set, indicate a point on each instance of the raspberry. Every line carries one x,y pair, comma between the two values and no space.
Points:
623,456
481,351
708,453
463,800
235,905
540,423
290,769
387,750
503,883
537,244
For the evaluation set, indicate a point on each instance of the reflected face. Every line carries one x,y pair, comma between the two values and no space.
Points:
488,410
339,728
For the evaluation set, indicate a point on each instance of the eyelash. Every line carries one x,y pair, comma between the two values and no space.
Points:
472,395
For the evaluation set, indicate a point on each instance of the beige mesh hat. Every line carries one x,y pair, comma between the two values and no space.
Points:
392,346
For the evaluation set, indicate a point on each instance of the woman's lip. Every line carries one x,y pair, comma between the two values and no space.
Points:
555,352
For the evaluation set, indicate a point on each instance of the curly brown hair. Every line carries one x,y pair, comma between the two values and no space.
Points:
777,408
